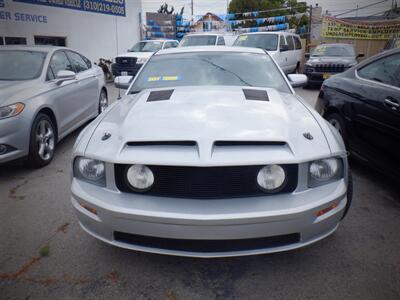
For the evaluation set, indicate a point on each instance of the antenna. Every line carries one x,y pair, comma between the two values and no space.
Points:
116,40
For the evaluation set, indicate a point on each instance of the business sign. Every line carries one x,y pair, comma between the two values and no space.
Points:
110,7
372,30
1,3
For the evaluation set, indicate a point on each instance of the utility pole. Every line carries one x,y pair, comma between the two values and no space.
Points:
192,11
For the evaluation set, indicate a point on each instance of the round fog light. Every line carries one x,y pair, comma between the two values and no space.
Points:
271,178
140,177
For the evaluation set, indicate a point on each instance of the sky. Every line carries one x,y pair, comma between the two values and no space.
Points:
219,6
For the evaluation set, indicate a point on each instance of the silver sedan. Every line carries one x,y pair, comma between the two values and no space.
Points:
45,94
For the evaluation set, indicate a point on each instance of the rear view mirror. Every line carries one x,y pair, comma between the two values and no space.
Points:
123,82
64,75
297,80
283,48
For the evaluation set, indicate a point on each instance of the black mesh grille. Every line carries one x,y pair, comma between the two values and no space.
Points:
206,182
331,68
208,245
126,60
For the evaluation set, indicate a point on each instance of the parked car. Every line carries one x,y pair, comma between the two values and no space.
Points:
45,94
284,47
128,64
329,59
363,103
223,161
202,39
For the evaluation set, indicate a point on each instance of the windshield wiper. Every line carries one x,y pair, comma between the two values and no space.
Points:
225,70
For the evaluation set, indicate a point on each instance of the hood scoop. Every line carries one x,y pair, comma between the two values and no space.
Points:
248,143
162,143
159,95
258,95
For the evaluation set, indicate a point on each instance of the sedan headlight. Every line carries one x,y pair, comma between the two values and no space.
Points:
324,171
141,60
140,178
90,170
271,178
11,110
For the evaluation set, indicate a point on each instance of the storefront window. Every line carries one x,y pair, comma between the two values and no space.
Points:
50,40
15,40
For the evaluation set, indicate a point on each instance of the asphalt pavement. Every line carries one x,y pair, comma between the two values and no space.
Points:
44,254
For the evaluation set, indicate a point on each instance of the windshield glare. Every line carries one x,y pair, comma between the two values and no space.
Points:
267,42
200,40
210,68
333,50
21,65
146,47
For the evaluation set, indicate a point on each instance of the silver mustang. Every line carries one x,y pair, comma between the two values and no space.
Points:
210,153
45,93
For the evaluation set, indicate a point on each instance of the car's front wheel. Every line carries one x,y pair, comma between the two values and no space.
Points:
337,121
42,141
103,101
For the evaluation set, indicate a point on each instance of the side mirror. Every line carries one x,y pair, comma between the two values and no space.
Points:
307,55
123,82
297,80
64,75
283,48
360,55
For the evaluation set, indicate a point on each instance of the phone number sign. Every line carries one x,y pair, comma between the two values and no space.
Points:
110,7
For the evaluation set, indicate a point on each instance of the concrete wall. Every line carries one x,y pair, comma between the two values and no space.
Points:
93,34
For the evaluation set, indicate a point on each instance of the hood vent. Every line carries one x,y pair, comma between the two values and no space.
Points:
160,95
248,143
258,95
162,143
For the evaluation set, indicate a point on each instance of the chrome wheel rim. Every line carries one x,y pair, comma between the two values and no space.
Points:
103,102
335,123
45,140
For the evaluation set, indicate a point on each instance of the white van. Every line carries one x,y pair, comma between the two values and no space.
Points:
205,39
284,47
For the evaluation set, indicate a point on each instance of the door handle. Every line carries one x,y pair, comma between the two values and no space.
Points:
392,103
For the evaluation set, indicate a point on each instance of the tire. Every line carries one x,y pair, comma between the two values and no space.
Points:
103,101
349,194
337,121
42,141
297,69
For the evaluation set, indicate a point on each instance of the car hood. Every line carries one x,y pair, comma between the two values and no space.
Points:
267,130
17,91
136,54
331,60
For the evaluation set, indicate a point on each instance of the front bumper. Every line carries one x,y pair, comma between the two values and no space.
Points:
14,132
315,77
165,225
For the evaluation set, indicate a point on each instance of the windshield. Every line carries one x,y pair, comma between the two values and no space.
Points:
333,50
267,42
210,68
146,47
199,40
21,65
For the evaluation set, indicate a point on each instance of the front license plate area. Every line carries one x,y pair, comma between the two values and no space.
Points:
124,73
326,75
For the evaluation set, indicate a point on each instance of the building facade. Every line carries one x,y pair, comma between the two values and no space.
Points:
97,28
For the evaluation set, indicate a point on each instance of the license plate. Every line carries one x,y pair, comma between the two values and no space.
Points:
124,73
326,75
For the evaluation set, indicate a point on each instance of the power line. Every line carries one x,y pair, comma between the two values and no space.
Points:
362,7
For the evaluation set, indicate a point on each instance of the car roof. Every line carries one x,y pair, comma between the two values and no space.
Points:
159,40
43,48
203,33
336,44
210,49
269,32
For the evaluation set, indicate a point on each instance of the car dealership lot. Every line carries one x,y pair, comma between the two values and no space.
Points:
44,253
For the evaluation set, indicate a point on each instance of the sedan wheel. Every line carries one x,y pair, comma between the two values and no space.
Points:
103,101
42,142
337,121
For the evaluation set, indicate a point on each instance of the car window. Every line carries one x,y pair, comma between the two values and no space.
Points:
334,50
150,46
221,41
297,42
60,62
87,61
50,75
170,45
77,62
212,68
198,40
282,41
267,42
385,70
290,43
21,64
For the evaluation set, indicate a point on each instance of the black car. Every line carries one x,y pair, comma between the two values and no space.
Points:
329,59
363,103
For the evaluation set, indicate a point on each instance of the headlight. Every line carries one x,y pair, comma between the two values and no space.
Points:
141,60
140,177
271,177
90,170
11,110
324,171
